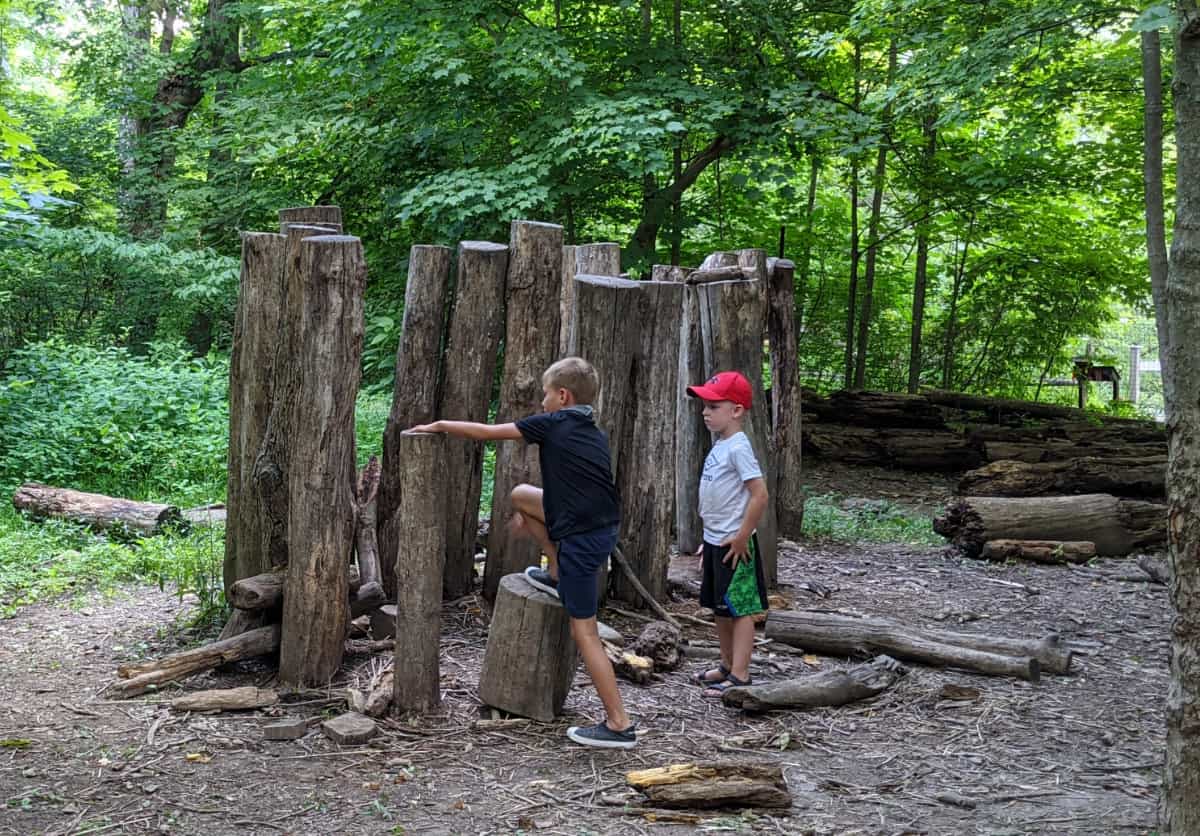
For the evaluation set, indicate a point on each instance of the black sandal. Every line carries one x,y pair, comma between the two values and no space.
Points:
716,689
700,677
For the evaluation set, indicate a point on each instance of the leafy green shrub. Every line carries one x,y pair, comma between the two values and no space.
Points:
100,419
875,521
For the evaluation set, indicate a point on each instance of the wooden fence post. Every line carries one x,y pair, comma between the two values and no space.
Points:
785,399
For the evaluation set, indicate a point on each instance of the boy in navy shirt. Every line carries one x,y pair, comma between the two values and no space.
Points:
574,519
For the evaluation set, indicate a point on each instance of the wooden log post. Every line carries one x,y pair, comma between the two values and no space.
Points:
732,321
828,688
646,478
415,391
533,293
1116,526
785,399
370,593
472,346
329,217
693,440
271,464
96,511
419,565
845,636
251,385
530,660
583,260
321,480
1132,477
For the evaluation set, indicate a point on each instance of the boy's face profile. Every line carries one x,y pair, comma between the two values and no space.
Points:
555,398
721,416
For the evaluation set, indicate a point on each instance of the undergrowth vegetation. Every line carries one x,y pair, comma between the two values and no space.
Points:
831,517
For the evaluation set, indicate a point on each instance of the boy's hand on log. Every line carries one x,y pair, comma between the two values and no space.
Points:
739,550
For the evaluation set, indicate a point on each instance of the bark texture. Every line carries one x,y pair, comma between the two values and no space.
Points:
1136,477
693,440
828,688
706,786
786,447
583,260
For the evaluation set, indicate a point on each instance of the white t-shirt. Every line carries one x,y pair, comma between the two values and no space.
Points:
723,493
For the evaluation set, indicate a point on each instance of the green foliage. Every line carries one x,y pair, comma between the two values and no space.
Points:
103,420
877,522
370,420
42,560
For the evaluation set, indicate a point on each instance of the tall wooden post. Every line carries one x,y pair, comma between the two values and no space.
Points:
271,475
418,566
472,343
733,316
647,456
694,440
532,298
785,399
251,368
414,393
583,260
322,467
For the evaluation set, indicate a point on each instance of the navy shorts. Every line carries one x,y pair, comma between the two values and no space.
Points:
580,559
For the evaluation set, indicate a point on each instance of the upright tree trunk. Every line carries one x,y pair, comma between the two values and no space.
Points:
949,345
920,277
785,399
852,291
1152,173
805,264
864,317
135,26
1180,814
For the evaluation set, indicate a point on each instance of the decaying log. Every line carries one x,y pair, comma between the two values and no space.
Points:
533,291
917,449
472,343
261,592
1138,477
421,524
1049,651
827,688
1040,551
98,512
414,394
659,641
840,635
530,660
1158,570
370,593
1004,408
380,698
1116,526
875,409
242,620
628,665
711,785
138,678
226,699
1062,449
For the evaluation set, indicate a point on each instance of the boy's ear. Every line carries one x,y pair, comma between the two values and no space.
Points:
738,410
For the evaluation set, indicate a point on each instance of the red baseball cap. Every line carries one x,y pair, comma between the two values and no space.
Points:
724,386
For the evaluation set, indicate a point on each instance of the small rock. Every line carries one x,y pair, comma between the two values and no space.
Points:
956,800
292,728
349,728
609,634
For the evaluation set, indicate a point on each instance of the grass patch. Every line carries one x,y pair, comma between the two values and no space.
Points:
867,521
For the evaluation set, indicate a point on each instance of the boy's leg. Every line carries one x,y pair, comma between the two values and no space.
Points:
725,640
741,641
530,517
600,669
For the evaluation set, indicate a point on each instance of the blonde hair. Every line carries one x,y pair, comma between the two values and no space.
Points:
576,375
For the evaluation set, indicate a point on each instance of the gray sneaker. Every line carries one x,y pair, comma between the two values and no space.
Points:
600,735
539,578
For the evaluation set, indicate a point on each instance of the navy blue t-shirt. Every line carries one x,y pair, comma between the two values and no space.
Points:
578,491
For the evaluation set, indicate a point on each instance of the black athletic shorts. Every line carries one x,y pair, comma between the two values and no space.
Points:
729,591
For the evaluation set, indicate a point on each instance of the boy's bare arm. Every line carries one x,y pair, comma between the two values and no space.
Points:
739,544
471,429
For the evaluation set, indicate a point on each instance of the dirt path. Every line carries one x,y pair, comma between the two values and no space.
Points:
1074,754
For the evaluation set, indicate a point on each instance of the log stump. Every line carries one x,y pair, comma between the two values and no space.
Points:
532,330
414,398
472,346
530,659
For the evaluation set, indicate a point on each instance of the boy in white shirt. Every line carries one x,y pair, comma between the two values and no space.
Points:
733,497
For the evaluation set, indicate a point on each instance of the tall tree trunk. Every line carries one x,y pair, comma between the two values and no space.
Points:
920,277
1180,814
1152,174
803,267
852,291
960,268
864,317
135,26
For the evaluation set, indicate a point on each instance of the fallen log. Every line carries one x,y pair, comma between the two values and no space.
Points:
1116,526
1157,570
875,409
828,688
1049,651
1062,449
706,786
1040,551
141,677
840,635
998,409
1127,477
917,449
265,592
242,620
96,511
637,669
659,641
226,699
